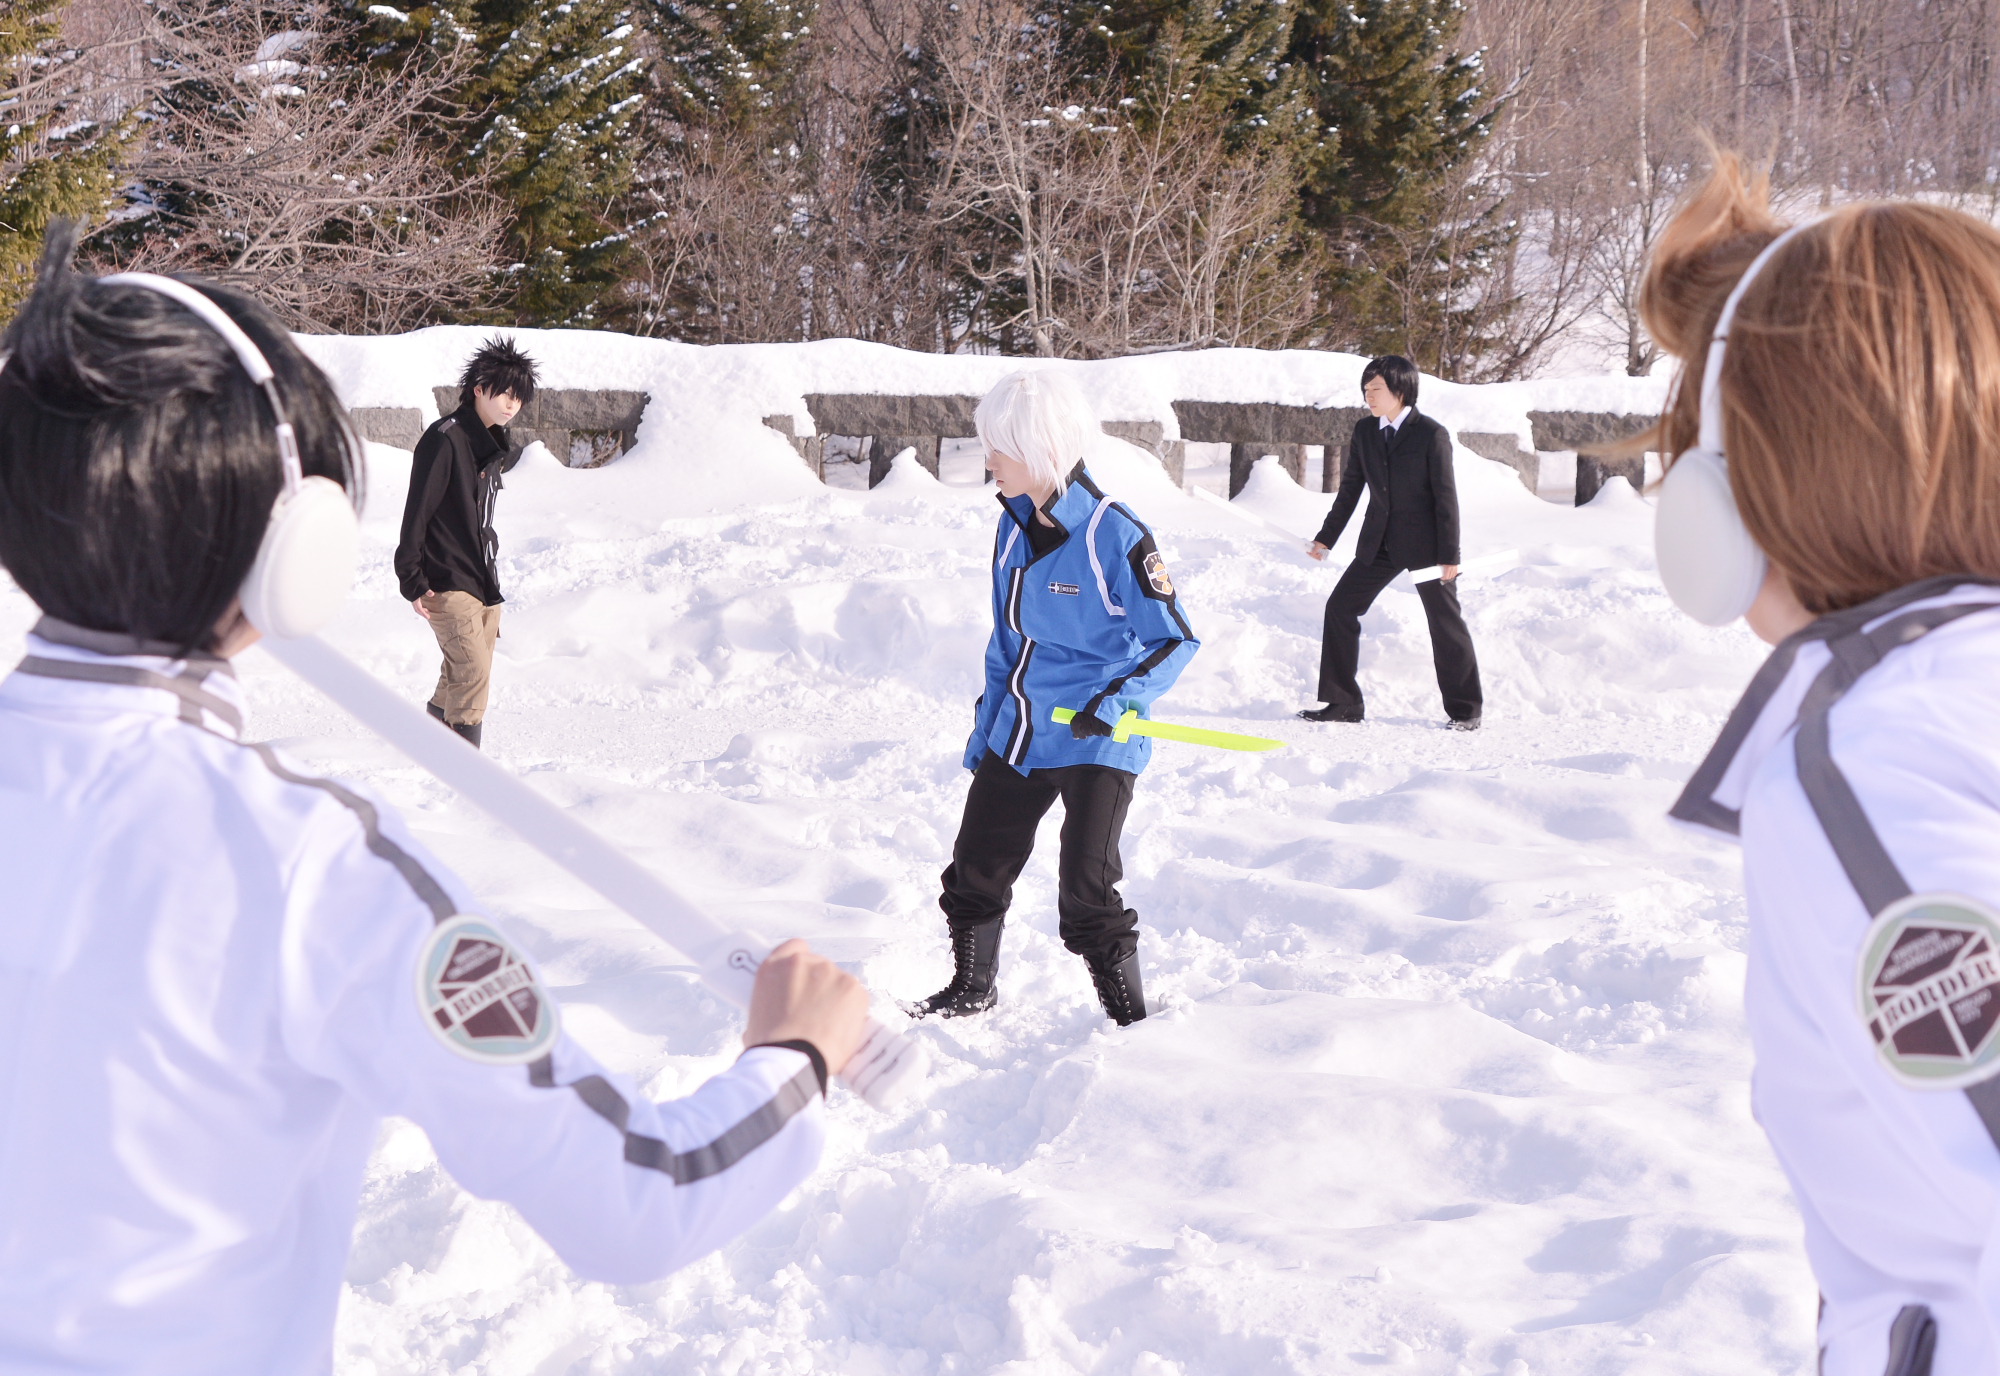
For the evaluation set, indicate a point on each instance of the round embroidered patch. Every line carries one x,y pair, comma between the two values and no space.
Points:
480,996
1928,985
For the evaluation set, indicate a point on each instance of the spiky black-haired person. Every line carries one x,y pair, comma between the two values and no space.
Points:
445,560
498,366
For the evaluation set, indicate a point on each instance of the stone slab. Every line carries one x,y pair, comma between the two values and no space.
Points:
583,427
851,413
883,450
1557,430
401,426
1331,426
810,448
1149,436
1505,449
1249,422
1594,471
1292,457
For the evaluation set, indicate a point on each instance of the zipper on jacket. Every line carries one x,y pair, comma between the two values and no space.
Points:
1017,679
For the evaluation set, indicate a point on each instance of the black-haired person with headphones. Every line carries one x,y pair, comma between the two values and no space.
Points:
218,972
1836,483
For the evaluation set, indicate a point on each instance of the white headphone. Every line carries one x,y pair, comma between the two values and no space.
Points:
305,565
1711,567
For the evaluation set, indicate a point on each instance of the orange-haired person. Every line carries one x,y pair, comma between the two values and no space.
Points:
1837,482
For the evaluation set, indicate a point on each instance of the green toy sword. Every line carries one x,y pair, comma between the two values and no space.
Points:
1130,725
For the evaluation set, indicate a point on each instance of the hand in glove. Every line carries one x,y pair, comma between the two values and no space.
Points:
1087,723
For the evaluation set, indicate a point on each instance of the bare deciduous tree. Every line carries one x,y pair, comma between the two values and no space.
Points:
1129,226
269,167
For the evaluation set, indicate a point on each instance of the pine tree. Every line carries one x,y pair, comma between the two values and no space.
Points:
1403,114
559,84
729,58
1232,56
55,160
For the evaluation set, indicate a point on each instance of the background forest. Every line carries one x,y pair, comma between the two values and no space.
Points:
1475,184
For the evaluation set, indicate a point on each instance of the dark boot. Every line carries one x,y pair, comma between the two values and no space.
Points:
1118,987
973,988
434,710
469,730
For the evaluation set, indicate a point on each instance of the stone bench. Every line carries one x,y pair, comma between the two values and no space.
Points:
892,424
1554,430
401,426
1289,428
587,428
1253,429
584,428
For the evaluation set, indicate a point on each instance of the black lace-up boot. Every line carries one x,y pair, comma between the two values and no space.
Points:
469,730
973,988
1118,987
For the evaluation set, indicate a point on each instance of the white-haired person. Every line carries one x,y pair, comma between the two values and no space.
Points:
1085,618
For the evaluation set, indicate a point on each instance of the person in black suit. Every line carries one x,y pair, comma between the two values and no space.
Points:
1405,461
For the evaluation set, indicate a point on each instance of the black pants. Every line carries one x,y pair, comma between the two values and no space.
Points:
1451,643
997,834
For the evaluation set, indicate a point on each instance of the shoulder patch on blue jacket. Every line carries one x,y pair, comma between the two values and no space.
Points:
1149,567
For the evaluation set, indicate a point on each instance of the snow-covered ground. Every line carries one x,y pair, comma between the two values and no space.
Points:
1448,1069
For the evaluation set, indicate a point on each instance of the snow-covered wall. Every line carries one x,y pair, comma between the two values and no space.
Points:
706,417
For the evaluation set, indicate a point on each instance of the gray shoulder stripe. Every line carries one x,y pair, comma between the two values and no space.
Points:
419,879
59,632
194,701
606,1102
1697,802
686,1167
1874,875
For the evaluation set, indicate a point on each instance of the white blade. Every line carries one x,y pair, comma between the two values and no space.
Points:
884,1068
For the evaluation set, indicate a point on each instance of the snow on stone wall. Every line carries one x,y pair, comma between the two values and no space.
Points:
708,402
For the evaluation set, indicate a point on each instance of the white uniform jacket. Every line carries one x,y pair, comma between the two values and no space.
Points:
1899,1185
217,974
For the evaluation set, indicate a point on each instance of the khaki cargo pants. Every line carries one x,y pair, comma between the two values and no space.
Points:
465,629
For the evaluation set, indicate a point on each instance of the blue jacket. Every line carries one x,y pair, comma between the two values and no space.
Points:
1091,624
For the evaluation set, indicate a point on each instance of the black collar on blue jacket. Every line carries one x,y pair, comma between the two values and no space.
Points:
1066,502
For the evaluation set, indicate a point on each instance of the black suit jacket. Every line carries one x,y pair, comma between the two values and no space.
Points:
1412,500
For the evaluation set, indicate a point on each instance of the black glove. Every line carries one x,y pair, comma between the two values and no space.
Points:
1087,723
